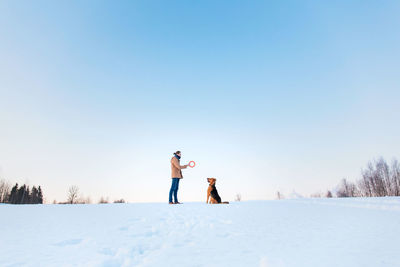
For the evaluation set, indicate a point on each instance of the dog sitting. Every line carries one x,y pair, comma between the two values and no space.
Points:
212,193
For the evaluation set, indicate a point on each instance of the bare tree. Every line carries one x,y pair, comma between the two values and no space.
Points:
73,194
379,179
88,200
81,200
382,177
328,194
238,197
395,172
316,195
347,189
4,190
364,185
103,200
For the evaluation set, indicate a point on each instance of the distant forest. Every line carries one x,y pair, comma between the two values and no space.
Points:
20,195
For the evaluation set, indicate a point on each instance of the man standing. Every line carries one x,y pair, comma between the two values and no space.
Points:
176,175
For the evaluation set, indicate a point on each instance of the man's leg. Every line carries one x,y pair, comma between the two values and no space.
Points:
172,189
176,190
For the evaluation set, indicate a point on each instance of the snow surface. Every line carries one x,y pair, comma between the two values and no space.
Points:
298,232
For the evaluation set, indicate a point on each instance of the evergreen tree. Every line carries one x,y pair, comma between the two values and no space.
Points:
21,194
34,196
13,194
40,196
27,199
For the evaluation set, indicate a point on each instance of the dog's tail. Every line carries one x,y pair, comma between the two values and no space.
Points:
225,202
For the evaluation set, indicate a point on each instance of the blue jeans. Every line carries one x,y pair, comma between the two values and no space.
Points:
174,189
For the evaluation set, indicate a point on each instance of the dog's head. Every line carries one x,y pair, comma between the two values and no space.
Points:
211,181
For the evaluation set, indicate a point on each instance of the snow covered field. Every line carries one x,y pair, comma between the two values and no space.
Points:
300,232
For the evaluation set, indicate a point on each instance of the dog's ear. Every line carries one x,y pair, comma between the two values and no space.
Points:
211,180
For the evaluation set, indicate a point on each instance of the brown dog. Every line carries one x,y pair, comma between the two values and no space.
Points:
212,193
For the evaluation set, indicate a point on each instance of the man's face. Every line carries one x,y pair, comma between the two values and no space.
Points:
179,154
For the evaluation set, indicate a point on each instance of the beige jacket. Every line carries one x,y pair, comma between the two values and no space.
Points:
176,168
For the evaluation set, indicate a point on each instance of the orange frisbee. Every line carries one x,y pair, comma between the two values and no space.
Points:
192,164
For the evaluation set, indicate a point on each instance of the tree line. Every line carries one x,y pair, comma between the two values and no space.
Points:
379,179
75,197
20,194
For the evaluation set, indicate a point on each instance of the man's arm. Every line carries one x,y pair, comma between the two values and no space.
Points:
176,164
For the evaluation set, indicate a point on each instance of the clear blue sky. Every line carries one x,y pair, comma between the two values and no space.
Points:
263,95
